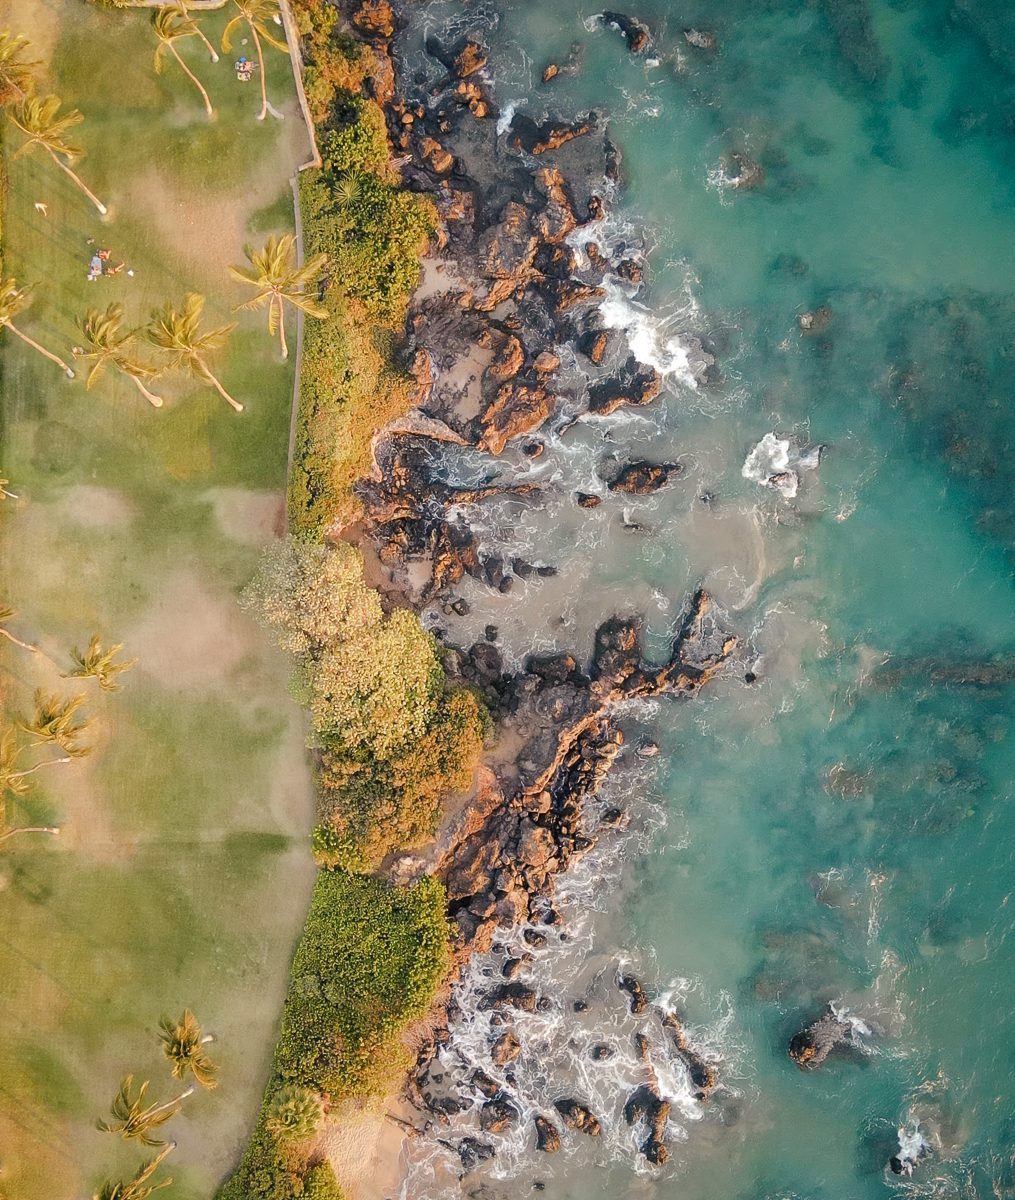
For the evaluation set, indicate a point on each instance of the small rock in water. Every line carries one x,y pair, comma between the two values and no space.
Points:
472,1152
505,1049
587,500
547,1135
490,633
577,1116
636,993
647,749
534,938
513,965
498,1115
816,321
700,39
601,1051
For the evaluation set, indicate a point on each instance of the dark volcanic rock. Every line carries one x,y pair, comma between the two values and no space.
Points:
468,60
635,993
498,1115
636,34
577,1116
472,1152
633,386
526,135
701,1072
646,1103
587,500
641,478
510,995
811,1046
505,1049
547,1135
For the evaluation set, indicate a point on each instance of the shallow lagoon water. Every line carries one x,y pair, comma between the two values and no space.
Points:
841,829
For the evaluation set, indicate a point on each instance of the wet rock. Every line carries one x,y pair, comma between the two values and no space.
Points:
550,71
508,359
637,999
630,270
374,19
510,995
587,500
539,139
642,478
468,60
700,39
513,966
557,218
600,1052
519,408
536,845
811,1046
546,361
472,1152
578,1117
701,1072
547,1135
646,749
438,158
745,173
593,344
645,1103
532,937
633,386
815,322
635,34
497,1116
485,1084
505,1049
460,608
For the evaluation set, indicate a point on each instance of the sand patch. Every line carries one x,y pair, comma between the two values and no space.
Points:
191,636
95,507
251,518
365,1151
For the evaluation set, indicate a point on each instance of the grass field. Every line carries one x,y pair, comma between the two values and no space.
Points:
181,876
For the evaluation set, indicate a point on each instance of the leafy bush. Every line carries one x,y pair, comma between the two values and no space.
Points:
335,64
294,1113
370,960
359,145
374,680
368,810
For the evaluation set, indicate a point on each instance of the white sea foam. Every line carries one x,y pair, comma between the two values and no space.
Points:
774,463
507,115
651,338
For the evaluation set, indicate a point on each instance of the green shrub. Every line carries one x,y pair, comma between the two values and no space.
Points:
320,1184
294,1113
368,810
359,145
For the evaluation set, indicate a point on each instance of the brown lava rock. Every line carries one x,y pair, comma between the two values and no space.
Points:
577,1116
547,1135
642,478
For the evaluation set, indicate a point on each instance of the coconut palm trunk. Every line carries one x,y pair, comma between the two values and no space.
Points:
54,829
182,4
260,71
281,328
153,400
81,184
49,762
35,345
235,404
193,78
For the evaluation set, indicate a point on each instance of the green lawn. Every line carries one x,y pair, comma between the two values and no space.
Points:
182,875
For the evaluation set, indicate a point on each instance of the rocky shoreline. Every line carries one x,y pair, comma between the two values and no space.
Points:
505,337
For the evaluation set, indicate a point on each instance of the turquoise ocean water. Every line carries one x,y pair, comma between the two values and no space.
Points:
841,829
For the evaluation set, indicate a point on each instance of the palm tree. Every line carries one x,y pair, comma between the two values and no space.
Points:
137,1188
96,663
109,348
14,782
14,299
132,1120
279,281
178,333
256,14
55,722
39,119
182,6
183,1045
16,78
4,493
172,24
